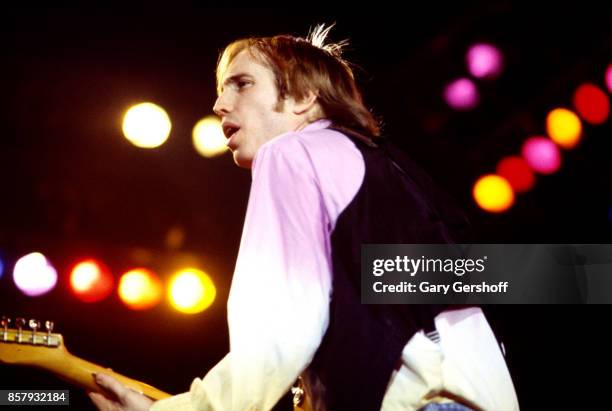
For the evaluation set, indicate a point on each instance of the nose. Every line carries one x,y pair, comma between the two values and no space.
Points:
222,105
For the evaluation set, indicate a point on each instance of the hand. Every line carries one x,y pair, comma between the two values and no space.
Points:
118,397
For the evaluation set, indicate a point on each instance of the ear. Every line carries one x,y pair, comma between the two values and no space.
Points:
306,104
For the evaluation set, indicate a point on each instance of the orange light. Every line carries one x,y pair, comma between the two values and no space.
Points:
91,281
140,289
564,127
493,193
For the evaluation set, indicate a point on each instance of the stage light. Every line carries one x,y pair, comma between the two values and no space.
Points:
146,125
493,193
484,60
609,78
461,94
592,104
91,281
140,289
191,291
1,268
516,170
34,275
208,137
564,127
541,154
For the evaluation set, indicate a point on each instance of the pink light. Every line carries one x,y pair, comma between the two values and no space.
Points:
541,154
461,94
609,78
484,60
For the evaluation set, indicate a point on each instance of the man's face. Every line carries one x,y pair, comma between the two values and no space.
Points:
247,106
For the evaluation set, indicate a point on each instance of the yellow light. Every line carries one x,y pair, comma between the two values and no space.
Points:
191,291
208,137
146,125
564,127
493,193
140,289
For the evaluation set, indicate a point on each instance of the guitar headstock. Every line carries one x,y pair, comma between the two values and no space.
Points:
28,345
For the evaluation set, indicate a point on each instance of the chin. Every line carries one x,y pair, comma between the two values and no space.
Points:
241,160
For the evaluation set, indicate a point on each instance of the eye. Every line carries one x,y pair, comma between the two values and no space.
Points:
240,84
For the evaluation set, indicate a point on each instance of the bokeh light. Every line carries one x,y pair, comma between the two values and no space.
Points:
208,137
518,173
91,281
541,154
191,291
564,127
484,60
461,94
140,289
609,78
592,104
146,125
34,275
493,193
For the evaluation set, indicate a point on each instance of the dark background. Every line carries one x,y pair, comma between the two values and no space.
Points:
73,186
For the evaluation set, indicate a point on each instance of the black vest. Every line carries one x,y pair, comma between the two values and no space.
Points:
396,203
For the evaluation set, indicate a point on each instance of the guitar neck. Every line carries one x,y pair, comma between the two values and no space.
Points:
79,372
48,352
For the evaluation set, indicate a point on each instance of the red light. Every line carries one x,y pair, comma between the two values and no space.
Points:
592,104
518,173
91,281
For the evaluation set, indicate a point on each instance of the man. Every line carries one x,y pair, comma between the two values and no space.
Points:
324,182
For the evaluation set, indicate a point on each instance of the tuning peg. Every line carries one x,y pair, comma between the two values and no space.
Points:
34,325
19,323
49,327
4,322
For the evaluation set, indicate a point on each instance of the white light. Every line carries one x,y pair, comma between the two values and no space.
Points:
146,125
208,137
34,275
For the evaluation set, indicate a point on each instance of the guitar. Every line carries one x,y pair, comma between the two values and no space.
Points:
46,350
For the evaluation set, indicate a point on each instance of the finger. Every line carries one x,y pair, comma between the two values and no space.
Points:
111,384
101,402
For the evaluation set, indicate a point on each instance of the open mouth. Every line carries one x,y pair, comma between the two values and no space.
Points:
229,130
